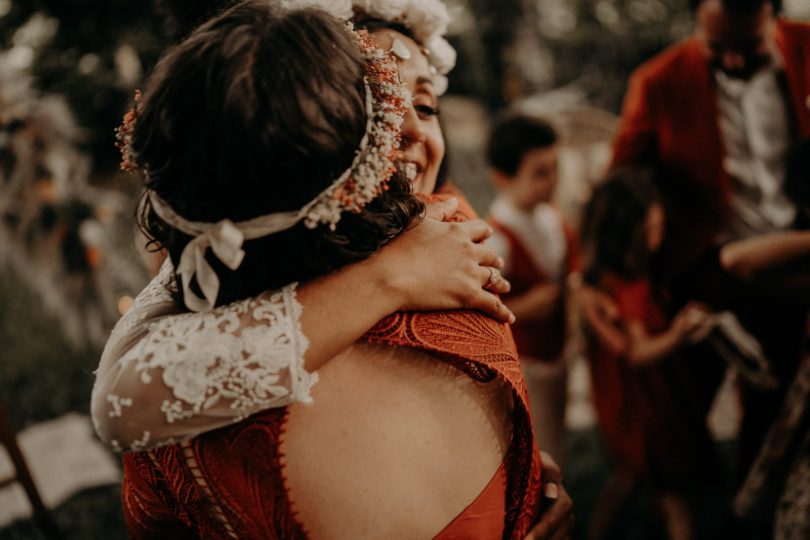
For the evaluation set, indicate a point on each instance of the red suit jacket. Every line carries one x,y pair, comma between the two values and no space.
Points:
670,118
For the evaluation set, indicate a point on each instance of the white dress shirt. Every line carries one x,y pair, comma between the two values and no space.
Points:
753,119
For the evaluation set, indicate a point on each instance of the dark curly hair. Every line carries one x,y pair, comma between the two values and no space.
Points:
257,112
185,15
613,234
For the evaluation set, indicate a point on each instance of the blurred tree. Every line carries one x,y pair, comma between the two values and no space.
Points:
93,53
494,31
509,49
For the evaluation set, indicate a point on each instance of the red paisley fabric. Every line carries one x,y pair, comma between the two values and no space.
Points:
229,483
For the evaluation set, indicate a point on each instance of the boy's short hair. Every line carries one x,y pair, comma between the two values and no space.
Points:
513,136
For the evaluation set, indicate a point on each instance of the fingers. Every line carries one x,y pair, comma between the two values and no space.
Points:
491,305
487,257
442,210
565,530
599,312
557,520
551,471
493,281
477,230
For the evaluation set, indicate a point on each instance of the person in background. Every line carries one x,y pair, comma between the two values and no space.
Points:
779,261
778,264
540,251
717,113
650,421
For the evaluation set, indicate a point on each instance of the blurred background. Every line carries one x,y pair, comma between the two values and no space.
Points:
70,261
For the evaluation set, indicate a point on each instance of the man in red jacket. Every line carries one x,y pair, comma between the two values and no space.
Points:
719,111
717,115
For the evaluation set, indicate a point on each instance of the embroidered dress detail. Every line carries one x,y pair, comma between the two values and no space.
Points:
242,464
208,369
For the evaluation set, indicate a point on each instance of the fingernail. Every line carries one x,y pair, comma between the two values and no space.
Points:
453,200
501,262
512,318
551,491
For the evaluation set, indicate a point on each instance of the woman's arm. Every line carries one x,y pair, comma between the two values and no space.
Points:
165,376
601,314
643,348
436,266
747,258
537,302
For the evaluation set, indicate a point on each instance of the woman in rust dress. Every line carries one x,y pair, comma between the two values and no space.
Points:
442,416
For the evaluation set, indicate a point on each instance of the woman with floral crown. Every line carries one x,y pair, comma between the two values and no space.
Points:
187,353
430,267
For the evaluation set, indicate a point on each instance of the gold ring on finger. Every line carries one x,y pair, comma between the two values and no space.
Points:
494,278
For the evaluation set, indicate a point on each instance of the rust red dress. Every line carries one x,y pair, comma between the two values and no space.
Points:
650,418
229,483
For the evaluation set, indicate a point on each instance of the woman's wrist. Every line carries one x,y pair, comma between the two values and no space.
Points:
384,285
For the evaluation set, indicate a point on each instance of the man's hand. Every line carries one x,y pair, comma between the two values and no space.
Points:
557,519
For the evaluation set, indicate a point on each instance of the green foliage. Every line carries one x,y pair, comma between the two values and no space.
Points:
79,61
41,375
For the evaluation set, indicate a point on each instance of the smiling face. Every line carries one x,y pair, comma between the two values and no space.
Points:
422,146
739,44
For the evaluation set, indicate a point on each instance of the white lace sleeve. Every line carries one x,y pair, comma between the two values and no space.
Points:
166,375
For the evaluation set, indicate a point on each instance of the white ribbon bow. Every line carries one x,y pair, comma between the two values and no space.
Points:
225,240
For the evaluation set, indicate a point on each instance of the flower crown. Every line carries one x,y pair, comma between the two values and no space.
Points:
373,166
426,19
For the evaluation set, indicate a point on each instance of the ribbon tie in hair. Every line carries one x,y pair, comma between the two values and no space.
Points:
225,240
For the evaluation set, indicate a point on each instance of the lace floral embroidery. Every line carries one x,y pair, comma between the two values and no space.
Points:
223,364
207,357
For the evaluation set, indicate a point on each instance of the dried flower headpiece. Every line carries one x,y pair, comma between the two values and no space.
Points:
373,166
426,19
123,135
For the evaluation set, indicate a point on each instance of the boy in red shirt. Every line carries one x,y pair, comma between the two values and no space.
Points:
540,251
